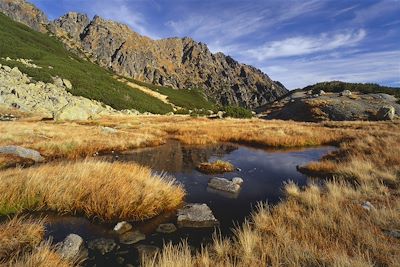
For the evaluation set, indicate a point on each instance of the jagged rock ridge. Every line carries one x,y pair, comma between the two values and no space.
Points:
177,62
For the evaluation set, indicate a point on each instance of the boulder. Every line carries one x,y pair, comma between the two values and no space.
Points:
225,185
58,82
73,248
103,245
67,84
122,227
15,72
196,216
7,68
22,153
72,112
131,237
386,113
345,93
166,228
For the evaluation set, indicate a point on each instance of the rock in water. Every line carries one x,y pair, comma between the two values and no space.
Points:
166,228
131,237
225,185
122,227
196,216
73,248
386,113
103,245
22,153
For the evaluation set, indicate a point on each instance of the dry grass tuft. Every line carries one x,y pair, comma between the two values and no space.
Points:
93,188
218,166
18,236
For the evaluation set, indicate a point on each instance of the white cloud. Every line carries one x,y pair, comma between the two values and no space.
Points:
303,45
377,67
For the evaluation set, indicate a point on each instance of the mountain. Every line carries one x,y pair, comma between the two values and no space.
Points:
180,63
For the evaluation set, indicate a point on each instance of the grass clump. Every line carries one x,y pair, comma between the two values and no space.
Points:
218,166
108,191
21,244
88,79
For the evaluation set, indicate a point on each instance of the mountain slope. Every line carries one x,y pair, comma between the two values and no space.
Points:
179,63
88,79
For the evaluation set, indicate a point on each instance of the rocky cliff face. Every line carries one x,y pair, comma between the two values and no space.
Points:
177,62
26,13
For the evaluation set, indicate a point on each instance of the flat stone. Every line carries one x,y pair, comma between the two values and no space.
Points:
131,237
166,228
147,251
196,216
103,245
225,185
122,227
22,152
73,248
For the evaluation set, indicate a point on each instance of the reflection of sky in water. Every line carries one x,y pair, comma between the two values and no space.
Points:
263,171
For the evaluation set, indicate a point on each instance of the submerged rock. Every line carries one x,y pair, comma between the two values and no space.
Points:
226,185
103,245
22,153
122,227
131,237
166,228
73,248
196,216
147,251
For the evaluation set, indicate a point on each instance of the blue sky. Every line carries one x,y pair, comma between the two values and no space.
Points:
298,42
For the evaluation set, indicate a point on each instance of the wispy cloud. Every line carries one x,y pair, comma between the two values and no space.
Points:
303,45
362,67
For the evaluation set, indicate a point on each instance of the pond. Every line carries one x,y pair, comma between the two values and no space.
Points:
264,173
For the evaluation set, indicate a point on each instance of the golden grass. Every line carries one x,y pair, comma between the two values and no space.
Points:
21,245
70,140
322,225
93,188
218,166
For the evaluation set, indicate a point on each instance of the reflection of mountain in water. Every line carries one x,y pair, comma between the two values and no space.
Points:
173,157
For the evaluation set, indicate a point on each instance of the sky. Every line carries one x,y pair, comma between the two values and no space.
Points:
297,42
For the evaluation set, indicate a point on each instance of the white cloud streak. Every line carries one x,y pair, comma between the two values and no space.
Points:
377,67
304,45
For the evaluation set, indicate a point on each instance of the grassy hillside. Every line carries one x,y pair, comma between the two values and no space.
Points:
188,99
88,79
366,88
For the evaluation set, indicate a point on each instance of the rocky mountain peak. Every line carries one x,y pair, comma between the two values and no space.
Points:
180,63
24,12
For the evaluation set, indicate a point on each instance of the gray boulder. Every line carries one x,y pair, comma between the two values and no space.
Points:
225,185
386,113
196,216
73,248
345,93
122,227
22,153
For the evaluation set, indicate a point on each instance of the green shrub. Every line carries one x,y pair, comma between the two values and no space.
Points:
237,112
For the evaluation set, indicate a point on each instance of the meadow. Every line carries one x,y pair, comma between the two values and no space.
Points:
323,223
